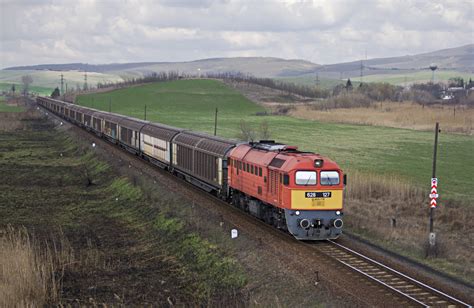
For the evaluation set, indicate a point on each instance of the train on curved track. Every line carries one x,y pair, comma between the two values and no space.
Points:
299,192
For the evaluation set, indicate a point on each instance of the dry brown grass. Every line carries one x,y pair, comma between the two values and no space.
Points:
30,273
459,119
397,213
10,121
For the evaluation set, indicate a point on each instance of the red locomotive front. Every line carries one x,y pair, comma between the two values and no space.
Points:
298,191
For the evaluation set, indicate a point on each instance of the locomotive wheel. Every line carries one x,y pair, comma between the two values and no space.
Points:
269,219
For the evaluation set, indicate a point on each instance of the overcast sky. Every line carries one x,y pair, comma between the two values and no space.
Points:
108,31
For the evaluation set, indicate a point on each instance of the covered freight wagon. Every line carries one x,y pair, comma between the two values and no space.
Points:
202,157
155,143
129,133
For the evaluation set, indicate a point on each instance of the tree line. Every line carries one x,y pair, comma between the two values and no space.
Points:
290,88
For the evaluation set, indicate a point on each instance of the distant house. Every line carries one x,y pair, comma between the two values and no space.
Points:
454,92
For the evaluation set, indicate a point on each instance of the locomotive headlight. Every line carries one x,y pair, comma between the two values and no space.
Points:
338,213
297,213
318,163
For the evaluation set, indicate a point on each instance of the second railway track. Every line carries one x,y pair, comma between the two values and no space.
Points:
417,292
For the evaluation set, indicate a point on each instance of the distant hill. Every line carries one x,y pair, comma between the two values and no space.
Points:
258,66
99,68
458,59
451,62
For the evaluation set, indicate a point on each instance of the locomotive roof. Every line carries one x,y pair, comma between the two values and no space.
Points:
284,160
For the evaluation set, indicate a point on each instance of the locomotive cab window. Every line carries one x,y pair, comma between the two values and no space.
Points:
305,178
329,178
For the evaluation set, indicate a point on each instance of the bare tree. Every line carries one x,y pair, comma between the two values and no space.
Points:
26,80
265,130
246,132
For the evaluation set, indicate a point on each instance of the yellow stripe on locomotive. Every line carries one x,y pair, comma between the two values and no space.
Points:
316,199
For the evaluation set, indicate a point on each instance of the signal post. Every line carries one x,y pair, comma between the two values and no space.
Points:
434,193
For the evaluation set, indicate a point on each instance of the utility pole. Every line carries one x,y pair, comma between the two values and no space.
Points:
434,190
215,123
85,80
62,84
361,71
145,112
317,79
110,104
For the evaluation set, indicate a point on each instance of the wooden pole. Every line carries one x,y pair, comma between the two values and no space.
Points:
215,124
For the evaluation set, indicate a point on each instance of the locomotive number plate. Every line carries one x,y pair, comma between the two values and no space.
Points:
311,194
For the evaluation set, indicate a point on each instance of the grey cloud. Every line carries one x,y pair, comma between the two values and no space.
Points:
107,31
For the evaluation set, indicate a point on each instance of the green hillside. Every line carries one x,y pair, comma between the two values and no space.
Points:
400,79
416,77
393,152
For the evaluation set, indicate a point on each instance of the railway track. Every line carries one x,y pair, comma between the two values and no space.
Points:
417,292
408,289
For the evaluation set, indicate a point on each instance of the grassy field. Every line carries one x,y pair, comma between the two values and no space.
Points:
395,79
7,108
416,77
324,83
6,87
401,153
454,119
45,81
91,234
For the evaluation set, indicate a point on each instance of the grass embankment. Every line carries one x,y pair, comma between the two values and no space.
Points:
389,169
403,153
395,215
27,272
109,241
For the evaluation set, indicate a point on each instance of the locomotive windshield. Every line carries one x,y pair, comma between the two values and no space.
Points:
329,178
305,178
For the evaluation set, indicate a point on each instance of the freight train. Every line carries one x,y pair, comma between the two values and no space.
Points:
299,192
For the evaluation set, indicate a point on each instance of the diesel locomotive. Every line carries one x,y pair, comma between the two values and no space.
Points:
299,192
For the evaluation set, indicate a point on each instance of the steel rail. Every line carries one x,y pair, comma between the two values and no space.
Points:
383,283
397,273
